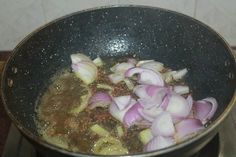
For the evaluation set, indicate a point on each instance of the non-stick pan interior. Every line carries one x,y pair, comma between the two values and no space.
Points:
150,33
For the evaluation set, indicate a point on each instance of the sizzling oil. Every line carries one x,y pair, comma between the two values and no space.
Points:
58,125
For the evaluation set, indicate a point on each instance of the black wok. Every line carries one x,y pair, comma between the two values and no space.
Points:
151,33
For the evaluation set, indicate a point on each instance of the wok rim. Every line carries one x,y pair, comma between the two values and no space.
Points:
42,142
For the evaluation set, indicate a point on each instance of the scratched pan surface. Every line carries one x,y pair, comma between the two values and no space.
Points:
150,33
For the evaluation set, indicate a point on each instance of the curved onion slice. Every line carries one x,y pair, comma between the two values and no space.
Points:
179,74
140,91
151,77
151,114
146,76
157,97
163,125
132,115
153,65
79,57
214,106
159,142
146,91
86,71
99,99
122,101
117,113
122,67
190,101
152,90
155,101
146,116
205,109
165,102
178,106
181,89
116,78
187,128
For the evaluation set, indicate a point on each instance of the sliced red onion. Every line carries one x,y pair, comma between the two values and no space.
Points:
149,103
132,115
86,71
159,142
122,101
119,114
155,100
189,99
140,91
150,114
205,109
151,77
130,72
178,118
146,91
152,90
145,116
122,67
79,57
153,65
180,74
146,76
201,109
116,113
178,106
181,89
99,99
187,127
165,102
163,125
116,78
214,106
